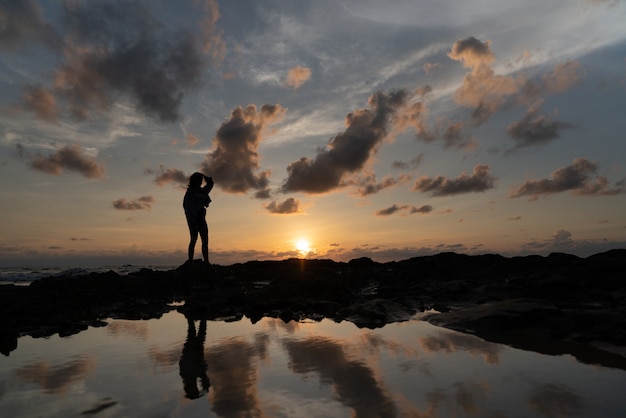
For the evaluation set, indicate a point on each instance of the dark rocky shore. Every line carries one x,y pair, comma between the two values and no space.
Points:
559,304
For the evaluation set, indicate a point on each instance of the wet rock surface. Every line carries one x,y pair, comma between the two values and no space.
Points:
559,304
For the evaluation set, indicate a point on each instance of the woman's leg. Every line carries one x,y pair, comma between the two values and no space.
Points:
193,237
204,236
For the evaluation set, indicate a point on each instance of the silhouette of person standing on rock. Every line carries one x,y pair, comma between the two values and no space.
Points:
195,203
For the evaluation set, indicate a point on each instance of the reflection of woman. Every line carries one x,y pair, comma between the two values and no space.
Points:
192,365
195,202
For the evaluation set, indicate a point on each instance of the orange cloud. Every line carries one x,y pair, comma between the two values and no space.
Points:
69,158
297,76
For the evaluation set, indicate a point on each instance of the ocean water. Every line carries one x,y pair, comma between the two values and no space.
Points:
26,275
174,367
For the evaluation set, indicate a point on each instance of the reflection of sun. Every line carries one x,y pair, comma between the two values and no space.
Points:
302,246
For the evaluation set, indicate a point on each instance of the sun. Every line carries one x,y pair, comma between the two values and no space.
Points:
303,246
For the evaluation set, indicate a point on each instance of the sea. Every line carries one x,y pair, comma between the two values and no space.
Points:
24,276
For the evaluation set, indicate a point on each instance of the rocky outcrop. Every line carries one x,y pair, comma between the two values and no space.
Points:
555,304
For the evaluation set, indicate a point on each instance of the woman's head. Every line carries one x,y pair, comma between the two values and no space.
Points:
196,180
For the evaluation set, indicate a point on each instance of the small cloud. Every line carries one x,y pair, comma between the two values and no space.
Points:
479,181
289,206
192,139
70,158
535,129
421,209
514,218
297,76
170,175
413,164
141,203
577,177
397,208
428,67
369,185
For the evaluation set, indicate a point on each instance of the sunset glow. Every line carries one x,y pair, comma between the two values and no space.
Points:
332,129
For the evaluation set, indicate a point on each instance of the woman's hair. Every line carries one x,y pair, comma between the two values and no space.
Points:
196,180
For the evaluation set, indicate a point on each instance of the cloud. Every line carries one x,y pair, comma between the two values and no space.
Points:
211,35
41,101
22,21
170,175
482,89
234,162
479,181
396,208
413,164
562,77
70,158
349,151
290,205
117,49
535,130
577,177
428,67
297,76
141,203
368,185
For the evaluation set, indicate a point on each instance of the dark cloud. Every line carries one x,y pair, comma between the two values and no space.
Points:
413,164
234,162
397,208
170,175
70,158
350,150
141,203
368,185
421,209
114,49
535,129
21,21
390,210
290,205
577,177
479,181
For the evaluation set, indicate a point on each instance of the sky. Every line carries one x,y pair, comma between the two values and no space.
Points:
333,129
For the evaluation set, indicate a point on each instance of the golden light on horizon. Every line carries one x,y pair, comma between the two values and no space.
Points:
303,246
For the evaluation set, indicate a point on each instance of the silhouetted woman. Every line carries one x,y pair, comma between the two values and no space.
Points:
192,365
195,203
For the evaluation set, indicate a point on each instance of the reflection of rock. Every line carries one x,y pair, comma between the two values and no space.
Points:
561,301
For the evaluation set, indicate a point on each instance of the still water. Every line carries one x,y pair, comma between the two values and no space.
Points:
171,367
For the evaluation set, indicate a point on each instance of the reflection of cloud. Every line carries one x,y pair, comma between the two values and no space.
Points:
57,379
552,400
135,329
233,374
453,342
353,382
